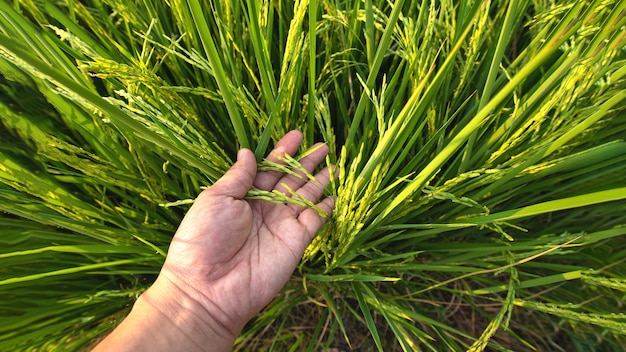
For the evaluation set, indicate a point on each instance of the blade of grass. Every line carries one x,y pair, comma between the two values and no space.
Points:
218,71
12,50
553,206
368,317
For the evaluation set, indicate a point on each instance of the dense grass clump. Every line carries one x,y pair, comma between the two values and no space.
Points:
481,196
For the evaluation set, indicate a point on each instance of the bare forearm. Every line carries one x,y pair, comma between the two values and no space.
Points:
162,320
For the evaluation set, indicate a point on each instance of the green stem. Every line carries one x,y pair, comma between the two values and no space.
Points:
223,82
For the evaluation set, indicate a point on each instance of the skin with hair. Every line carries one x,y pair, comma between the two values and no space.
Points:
228,259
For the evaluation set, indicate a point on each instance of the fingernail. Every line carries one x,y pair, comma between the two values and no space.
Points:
240,154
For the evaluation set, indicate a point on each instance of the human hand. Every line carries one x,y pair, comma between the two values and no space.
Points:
231,256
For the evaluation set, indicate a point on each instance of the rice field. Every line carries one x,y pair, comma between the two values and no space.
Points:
480,148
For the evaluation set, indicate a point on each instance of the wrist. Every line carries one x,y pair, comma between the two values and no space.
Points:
166,319
190,323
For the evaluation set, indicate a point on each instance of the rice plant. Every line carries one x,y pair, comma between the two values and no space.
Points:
480,147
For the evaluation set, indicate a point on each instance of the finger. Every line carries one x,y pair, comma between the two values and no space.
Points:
313,190
327,205
312,221
289,144
317,154
237,181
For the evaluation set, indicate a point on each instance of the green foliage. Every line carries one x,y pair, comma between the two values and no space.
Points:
480,147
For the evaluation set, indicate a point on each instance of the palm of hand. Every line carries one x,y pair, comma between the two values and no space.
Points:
234,255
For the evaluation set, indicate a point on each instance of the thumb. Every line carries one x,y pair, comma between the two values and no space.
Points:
237,181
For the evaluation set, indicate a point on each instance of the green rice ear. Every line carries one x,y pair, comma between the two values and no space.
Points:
479,146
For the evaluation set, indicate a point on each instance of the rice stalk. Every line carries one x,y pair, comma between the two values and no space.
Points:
479,147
